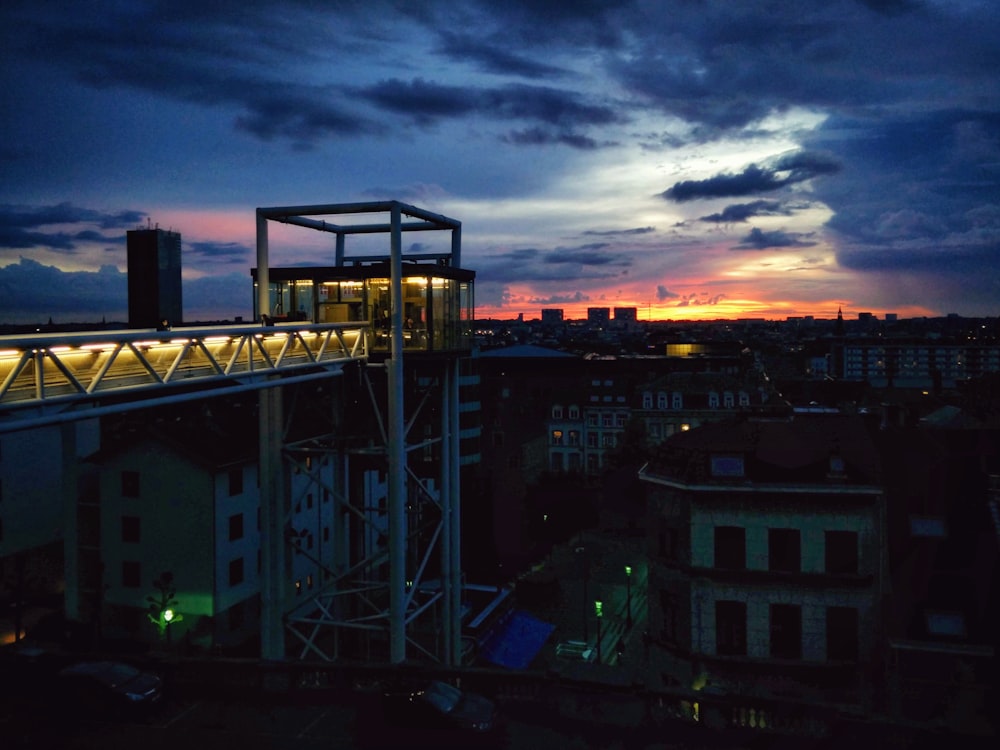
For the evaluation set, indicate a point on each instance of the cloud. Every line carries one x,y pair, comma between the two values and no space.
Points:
786,170
758,239
663,293
620,232
695,300
227,252
23,227
493,58
34,292
561,299
741,212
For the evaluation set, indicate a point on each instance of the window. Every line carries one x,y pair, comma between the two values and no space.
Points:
730,628
677,402
667,541
557,412
727,466
661,400
608,440
593,463
647,400
574,412
841,551
730,547
237,616
713,400
498,440
727,400
326,533
786,631
784,550
557,462
591,439
744,398
309,501
654,430
592,420
574,461
130,529
606,420
235,527
841,634
574,437
131,574
557,436
130,484
236,571
619,420
235,482
669,605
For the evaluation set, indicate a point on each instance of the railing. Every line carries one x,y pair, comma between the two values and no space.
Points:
66,367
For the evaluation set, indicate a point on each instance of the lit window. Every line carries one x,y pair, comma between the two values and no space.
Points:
557,436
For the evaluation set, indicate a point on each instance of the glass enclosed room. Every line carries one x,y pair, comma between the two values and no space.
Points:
437,302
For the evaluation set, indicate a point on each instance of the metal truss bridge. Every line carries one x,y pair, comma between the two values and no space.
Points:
47,378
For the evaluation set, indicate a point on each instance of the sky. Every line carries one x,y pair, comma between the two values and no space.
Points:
695,159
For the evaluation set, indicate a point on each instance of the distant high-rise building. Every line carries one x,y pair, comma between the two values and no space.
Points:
552,315
598,315
154,278
629,314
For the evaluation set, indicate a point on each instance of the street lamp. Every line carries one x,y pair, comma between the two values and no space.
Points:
599,611
628,597
582,551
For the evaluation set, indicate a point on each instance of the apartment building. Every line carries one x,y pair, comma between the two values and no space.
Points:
767,559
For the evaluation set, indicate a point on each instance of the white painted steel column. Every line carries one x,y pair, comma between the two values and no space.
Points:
272,526
396,450
263,269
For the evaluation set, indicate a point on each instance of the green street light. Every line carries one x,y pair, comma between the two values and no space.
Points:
599,611
628,597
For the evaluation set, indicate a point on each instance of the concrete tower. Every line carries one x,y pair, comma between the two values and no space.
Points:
154,278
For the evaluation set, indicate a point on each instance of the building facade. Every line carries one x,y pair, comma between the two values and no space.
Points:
767,558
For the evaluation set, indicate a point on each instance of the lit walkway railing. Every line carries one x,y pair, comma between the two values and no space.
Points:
62,368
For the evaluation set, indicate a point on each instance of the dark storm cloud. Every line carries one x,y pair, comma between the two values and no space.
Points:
727,65
33,292
493,57
595,262
761,240
22,227
427,102
543,137
784,171
66,213
226,252
919,198
740,212
588,255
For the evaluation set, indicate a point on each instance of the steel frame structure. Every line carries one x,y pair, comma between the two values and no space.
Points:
398,607
63,377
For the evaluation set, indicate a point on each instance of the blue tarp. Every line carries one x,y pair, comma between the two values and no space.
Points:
517,642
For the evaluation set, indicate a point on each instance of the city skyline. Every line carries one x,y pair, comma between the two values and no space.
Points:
694,160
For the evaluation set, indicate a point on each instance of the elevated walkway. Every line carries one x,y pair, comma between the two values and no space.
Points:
50,378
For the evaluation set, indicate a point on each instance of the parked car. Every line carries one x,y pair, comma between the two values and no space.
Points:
107,687
438,705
